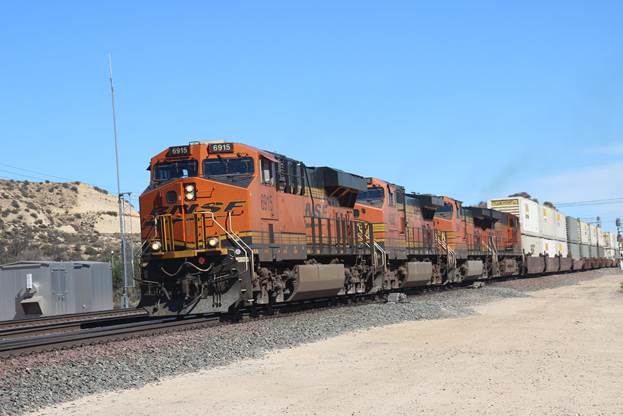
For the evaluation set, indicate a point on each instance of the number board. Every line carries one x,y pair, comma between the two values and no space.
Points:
178,151
215,148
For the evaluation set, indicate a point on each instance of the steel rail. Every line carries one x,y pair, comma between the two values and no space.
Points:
72,316
66,326
105,331
98,334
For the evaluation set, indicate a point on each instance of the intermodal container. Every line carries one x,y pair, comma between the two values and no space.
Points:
574,250
547,219
525,209
585,235
573,230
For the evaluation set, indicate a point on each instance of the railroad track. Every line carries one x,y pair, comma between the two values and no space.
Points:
84,316
61,326
57,336
85,335
62,335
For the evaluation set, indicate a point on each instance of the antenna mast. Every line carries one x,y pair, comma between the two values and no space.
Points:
120,196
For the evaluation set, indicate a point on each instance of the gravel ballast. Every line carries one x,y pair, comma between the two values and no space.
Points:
31,382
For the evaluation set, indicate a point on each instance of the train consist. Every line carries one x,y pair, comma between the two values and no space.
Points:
226,225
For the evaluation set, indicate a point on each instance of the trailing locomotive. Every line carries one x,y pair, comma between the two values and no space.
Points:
226,225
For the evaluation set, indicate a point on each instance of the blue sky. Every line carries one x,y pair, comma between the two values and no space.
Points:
471,99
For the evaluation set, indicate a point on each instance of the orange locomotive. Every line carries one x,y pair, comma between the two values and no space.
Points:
226,225
440,240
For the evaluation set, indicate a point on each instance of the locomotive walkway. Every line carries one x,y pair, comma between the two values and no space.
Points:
556,352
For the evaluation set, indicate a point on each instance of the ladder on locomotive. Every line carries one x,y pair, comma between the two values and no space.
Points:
495,260
442,242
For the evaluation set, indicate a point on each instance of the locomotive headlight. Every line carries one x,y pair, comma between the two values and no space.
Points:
213,242
189,191
156,245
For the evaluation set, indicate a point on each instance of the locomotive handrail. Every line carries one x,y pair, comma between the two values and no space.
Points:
378,247
239,242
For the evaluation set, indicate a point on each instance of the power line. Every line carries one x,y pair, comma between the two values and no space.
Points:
34,171
21,174
607,201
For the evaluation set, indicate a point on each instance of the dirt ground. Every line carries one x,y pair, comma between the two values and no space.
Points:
558,352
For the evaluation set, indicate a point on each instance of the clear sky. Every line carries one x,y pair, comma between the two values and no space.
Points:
474,99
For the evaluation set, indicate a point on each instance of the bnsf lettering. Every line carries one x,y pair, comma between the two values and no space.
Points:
320,211
189,209
266,202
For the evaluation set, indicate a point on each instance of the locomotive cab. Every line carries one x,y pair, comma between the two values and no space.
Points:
195,221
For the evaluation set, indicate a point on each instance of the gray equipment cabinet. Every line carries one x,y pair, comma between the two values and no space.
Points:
44,288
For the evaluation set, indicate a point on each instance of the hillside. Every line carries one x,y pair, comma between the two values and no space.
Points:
59,221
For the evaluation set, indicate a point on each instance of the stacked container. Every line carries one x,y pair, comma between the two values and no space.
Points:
592,249
573,237
585,240
601,243
608,249
543,229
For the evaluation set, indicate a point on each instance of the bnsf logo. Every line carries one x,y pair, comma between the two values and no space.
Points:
189,209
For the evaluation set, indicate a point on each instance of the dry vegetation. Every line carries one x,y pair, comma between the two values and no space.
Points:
58,221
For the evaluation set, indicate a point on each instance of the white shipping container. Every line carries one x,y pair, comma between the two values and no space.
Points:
606,238
538,246
573,230
601,237
560,226
585,235
547,217
561,248
613,241
592,232
525,209
550,247
533,245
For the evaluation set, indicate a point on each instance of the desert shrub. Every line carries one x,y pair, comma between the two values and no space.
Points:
33,214
15,204
101,190
90,251
74,188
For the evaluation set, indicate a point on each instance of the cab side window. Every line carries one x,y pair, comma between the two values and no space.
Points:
445,212
391,197
268,171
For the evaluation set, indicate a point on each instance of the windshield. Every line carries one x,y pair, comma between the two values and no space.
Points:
227,166
373,196
172,170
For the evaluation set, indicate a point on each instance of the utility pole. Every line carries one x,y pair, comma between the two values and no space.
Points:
120,197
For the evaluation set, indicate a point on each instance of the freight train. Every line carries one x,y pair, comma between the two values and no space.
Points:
226,225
